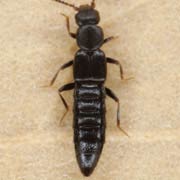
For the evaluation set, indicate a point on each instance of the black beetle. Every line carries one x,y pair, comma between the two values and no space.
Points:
90,70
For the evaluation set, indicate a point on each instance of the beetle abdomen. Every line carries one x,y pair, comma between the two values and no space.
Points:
89,125
87,154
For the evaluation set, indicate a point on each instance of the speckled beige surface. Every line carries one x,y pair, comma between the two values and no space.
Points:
34,43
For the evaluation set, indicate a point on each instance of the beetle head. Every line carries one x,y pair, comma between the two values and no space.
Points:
86,13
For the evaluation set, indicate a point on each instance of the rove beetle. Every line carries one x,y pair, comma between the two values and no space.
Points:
89,70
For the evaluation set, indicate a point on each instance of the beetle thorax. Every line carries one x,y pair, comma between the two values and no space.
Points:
90,37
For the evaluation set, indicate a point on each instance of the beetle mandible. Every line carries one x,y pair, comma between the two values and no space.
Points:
89,70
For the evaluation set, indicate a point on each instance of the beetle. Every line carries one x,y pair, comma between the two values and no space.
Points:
89,71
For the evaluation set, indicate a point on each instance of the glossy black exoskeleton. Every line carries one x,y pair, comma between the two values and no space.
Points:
89,69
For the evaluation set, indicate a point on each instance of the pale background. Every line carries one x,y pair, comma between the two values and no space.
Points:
34,43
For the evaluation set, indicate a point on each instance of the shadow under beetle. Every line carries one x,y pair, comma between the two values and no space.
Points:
89,70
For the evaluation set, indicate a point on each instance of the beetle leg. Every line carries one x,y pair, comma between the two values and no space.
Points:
112,61
73,35
64,66
109,39
66,87
93,4
111,94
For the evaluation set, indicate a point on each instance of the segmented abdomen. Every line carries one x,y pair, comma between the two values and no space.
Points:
89,124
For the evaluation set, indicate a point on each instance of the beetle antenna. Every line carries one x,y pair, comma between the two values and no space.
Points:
68,4
93,4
